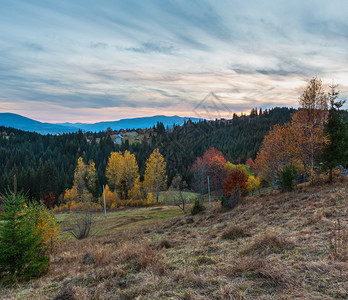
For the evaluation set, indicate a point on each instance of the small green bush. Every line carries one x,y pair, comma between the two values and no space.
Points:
287,178
23,252
197,207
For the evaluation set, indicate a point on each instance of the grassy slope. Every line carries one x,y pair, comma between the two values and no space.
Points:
271,247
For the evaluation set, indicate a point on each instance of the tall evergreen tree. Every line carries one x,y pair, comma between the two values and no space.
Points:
336,150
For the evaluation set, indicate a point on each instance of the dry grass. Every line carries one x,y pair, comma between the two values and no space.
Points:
338,242
234,232
268,243
164,244
256,267
274,246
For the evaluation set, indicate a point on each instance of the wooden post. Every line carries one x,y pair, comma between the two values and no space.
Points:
209,192
104,200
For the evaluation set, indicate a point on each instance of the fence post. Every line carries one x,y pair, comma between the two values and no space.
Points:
104,200
209,192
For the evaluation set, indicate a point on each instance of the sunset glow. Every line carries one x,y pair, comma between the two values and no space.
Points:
87,61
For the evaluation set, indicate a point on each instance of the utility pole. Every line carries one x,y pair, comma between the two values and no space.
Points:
104,200
209,192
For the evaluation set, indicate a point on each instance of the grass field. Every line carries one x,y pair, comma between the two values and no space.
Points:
126,219
273,246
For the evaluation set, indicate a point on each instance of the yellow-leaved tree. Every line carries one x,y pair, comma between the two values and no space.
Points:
84,185
155,177
114,169
122,172
310,121
130,170
136,194
253,182
111,199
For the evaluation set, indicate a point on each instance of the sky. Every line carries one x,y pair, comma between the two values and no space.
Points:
88,61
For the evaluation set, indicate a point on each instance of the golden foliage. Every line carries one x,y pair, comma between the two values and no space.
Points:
78,206
111,199
150,199
84,183
280,148
137,192
155,174
253,181
114,168
310,134
45,222
310,122
122,172
84,176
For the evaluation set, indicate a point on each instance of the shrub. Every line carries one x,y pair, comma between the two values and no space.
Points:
23,245
141,256
81,224
268,243
235,186
164,244
234,232
233,200
338,242
44,221
237,179
111,199
197,207
78,206
287,178
150,200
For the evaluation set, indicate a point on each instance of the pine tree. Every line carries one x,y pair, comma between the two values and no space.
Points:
336,150
23,253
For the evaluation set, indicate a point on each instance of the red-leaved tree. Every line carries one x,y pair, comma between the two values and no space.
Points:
236,180
211,164
250,163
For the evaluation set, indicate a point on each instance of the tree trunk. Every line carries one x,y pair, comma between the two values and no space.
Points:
157,192
312,159
330,176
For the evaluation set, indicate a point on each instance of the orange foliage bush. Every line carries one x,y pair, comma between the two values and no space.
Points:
111,199
235,178
78,206
45,222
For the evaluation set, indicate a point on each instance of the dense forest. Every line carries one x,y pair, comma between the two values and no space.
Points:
45,164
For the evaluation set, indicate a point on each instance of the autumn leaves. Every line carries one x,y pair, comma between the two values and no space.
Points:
300,142
124,185
122,173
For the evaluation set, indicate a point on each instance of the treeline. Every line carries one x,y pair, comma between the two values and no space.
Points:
314,143
44,164
238,139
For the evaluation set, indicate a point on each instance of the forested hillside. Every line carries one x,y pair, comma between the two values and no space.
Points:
45,164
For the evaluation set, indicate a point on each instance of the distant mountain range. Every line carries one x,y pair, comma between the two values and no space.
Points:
24,123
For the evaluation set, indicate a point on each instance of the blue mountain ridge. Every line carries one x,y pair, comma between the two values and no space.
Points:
27,124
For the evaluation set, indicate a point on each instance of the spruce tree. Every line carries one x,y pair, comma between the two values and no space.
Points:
22,253
336,130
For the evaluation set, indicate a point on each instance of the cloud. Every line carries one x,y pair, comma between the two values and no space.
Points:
150,47
34,47
99,45
148,56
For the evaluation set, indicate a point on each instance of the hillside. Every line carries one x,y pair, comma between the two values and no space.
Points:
274,246
144,122
23,123
46,164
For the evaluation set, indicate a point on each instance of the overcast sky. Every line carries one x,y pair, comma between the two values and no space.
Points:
106,60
